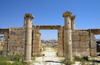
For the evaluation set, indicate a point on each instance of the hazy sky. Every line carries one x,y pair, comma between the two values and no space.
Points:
49,12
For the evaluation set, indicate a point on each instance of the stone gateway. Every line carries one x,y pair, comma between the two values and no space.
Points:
26,40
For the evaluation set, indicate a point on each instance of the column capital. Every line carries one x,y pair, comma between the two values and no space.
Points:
67,13
29,15
73,17
38,26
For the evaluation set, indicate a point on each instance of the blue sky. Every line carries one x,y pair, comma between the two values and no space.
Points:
49,12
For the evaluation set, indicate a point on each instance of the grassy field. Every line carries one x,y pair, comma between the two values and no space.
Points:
6,60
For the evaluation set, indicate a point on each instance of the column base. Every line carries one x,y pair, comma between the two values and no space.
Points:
27,62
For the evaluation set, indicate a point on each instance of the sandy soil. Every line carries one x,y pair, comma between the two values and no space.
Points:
50,58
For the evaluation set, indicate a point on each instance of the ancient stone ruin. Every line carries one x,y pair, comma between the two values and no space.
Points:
27,39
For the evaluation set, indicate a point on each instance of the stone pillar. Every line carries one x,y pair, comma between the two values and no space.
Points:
93,46
60,42
40,40
5,48
68,36
28,36
36,41
73,22
33,40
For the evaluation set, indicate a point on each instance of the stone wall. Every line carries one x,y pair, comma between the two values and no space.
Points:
16,41
83,42
36,42
80,43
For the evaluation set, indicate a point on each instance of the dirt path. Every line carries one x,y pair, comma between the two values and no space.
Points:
49,52
50,58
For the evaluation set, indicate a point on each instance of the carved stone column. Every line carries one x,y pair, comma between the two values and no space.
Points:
73,22
28,36
68,36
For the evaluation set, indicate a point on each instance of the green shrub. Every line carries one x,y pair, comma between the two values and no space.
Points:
16,57
4,58
77,58
44,48
1,52
62,60
82,62
57,53
85,58
7,63
43,55
40,50
2,62
11,58
17,63
33,58
39,55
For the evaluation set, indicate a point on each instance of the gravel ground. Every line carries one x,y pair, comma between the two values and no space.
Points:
50,58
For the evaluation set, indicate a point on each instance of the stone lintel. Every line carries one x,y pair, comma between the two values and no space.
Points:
82,30
28,15
67,13
3,31
16,28
38,26
95,31
48,27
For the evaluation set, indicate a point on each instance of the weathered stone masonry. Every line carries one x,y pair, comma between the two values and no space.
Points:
83,41
16,43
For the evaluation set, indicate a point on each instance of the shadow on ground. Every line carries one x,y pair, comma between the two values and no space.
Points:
53,61
94,61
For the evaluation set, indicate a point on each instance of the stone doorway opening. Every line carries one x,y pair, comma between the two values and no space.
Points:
98,43
36,37
2,41
49,43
